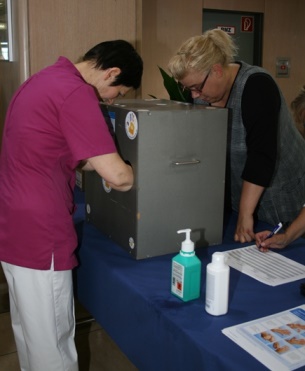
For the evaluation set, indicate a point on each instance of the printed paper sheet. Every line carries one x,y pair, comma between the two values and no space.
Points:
270,268
277,341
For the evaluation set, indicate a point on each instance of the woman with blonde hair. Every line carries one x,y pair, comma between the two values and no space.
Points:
265,152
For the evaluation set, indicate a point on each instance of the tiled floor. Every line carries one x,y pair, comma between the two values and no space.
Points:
96,350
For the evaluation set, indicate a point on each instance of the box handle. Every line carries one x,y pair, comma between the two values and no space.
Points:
190,162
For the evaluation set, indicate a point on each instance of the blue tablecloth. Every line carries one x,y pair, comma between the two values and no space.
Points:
157,331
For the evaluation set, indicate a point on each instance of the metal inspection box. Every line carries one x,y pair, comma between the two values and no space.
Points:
178,154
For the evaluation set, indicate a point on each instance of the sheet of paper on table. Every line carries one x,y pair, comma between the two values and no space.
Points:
277,341
270,268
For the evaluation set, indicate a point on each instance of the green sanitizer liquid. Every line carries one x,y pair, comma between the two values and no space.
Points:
186,271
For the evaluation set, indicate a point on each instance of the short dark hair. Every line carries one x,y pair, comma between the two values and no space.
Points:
121,54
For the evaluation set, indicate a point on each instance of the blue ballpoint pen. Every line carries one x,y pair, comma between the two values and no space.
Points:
275,230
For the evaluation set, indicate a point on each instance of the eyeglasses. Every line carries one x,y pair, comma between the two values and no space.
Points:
197,90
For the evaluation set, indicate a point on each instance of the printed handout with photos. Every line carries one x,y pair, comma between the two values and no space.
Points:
277,341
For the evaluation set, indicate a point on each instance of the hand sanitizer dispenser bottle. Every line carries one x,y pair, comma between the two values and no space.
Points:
186,271
217,285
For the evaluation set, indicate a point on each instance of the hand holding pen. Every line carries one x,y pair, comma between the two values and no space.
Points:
267,239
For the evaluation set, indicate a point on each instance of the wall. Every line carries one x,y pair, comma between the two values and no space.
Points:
156,27
168,23
45,29
71,27
239,5
163,25
284,32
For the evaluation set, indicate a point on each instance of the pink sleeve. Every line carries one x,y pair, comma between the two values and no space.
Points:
84,125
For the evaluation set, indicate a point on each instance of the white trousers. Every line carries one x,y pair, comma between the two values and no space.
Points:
42,312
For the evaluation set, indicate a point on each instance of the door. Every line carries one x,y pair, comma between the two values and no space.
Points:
246,29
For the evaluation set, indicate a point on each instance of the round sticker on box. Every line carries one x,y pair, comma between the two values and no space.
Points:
131,125
106,186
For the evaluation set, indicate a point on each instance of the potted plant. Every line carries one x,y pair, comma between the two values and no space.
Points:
175,89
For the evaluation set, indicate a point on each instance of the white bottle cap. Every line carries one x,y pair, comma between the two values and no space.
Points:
218,258
187,245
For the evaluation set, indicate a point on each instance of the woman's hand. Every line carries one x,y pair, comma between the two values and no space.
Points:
277,241
244,229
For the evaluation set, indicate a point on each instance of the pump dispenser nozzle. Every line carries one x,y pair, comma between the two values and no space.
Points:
187,244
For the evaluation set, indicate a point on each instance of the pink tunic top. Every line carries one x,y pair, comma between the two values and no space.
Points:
53,121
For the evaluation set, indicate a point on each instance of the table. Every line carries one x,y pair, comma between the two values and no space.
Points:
132,301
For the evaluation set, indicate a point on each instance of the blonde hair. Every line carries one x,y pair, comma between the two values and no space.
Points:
201,52
298,110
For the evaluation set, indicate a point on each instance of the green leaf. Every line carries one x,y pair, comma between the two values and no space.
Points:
174,89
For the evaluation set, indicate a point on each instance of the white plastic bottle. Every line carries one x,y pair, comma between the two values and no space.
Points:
217,285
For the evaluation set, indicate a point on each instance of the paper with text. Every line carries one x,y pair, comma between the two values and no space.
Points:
270,268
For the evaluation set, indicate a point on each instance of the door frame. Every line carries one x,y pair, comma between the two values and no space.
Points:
257,33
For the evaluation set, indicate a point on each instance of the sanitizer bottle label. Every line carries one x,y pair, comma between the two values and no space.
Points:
177,279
